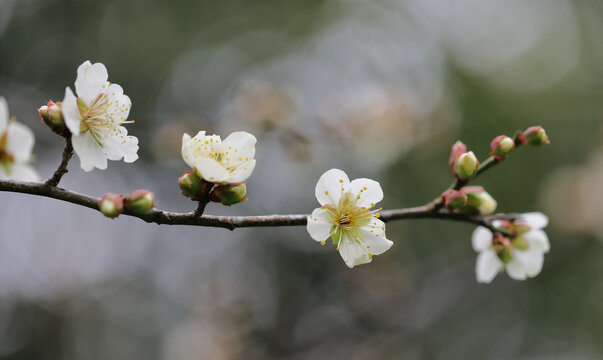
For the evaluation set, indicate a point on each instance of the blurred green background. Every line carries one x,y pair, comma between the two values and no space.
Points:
380,89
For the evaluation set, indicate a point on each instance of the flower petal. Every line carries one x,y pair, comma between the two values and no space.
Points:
71,113
187,149
320,224
242,172
238,148
89,151
4,114
23,172
481,239
211,170
20,141
91,80
516,269
121,146
376,244
352,252
536,220
531,259
368,190
487,266
538,239
331,185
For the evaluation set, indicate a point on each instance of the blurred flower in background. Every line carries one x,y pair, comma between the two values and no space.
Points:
321,84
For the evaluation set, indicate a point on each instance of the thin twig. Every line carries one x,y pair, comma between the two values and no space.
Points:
62,169
232,222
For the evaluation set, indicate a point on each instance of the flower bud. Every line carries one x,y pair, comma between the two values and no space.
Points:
52,116
478,201
140,201
535,135
501,147
502,247
191,186
466,166
111,205
457,149
454,199
229,194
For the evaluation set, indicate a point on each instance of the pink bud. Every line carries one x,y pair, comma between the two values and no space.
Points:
457,149
111,205
501,147
140,201
52,116
535,135
454,199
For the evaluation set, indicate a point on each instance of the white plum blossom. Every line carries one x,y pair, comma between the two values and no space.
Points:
95,119
346,218
221,162
16,144
521,254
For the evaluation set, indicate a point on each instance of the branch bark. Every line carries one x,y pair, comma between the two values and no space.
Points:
62,169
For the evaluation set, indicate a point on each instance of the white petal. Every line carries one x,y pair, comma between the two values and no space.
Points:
4,114
376,244
320,224
487,266
331,185
516,269
538,239
536,220
120,103
121,146
91,79
481,239
186,150
211,170
20,141
242,172
238,147
23,172
531,259
352,252
71,113
89,151
369,191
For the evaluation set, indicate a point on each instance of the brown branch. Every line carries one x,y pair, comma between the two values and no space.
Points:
62,169
232,222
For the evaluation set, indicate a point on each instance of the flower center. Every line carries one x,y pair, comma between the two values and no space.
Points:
6,158
100,117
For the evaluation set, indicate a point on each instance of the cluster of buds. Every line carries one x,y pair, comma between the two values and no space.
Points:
469,200
463,163
197,189
52,116
138,202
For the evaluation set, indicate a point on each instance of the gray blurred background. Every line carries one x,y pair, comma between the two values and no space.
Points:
379,88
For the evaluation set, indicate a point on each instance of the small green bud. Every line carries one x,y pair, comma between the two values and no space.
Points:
454,199
501,147
140,201
111,205
535,135
478,201
191,186
466,166
229,194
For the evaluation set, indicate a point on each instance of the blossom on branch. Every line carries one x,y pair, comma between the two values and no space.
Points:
521,253
346,219
16,144
220,162
95,119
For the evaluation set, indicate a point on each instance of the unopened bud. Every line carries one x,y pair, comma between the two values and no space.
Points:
191,186
478,201
52,116
140,201
466,166
501,147
457,149
111,205
229,194
535,135
454,199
